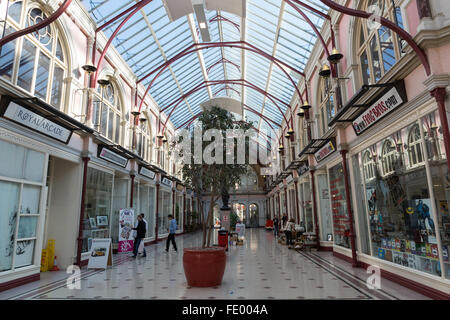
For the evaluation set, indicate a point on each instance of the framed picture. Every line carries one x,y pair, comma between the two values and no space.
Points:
329,237
92,223
102,220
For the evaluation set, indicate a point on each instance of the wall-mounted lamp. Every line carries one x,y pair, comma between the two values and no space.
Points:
335,56
325,72
89,68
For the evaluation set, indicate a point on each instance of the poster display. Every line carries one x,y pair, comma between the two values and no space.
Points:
100,256
126,225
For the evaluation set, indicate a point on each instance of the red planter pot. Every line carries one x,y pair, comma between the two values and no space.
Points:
204,267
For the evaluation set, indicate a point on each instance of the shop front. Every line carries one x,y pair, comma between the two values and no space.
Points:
404,182
165,206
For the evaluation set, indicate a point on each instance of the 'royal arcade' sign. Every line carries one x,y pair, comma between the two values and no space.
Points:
36,122
380,108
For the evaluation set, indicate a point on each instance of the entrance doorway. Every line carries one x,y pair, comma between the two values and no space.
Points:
254,215
241,210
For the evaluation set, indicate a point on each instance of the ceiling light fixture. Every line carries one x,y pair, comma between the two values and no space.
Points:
199,10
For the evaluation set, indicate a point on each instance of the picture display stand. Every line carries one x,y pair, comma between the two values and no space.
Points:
100,255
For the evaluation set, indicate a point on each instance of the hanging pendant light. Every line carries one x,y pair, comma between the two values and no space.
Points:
281,148
290,132
301,113
104,82
325,72
306,106
89,68
335,56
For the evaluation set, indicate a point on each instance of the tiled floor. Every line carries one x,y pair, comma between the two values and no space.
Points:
261,269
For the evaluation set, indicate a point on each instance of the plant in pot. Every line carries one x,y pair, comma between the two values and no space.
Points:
204,266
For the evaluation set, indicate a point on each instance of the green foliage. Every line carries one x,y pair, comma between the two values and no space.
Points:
233,220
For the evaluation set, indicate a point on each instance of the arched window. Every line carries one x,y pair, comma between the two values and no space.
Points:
388,157
107,114
415,151
369,166
378,48
143,140
326,100
35,62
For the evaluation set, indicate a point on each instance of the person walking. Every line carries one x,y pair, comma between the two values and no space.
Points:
140,236
276,225
172,230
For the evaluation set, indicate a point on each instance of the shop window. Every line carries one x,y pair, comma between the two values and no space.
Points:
107,113
21,183
35,62
400,211
165,208
415,147
97,221
325,212
441,187
339,210
378,47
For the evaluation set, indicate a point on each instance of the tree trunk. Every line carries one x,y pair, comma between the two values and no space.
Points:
206,226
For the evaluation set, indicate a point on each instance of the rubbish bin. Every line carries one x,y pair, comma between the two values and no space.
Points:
223,239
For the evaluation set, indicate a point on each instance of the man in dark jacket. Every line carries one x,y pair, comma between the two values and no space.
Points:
140,236
276,225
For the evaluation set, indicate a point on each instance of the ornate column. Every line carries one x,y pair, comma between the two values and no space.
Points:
296,200
157,211
440,94
132,175
82,208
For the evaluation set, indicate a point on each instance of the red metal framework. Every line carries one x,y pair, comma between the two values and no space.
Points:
219,17
223,60
201,46
37,26
206,84
227,88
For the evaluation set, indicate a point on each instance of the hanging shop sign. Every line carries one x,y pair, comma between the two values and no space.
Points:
111,156
281,185
289,179
126,222
101,254
303,168
30,119
384,105
166,181
180,187
325,151
147,173
189,191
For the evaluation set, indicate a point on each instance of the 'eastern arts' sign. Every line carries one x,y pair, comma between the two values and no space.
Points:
36,122
383,106
325,151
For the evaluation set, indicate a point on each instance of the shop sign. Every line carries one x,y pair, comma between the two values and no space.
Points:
281,185
126,225
189,191
180,187
101,254
32,120
112,157
147,173
289,179
304,167
325,151
166,182
382,107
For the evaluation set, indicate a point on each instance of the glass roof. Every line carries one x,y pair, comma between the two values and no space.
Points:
149,39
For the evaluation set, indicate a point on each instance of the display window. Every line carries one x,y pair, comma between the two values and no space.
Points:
399,210
179,211
21,186
435,155
120,201
165,208
338,199
307,207
99,186
325,211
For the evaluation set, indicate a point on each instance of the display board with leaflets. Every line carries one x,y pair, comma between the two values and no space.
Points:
126,225
100,256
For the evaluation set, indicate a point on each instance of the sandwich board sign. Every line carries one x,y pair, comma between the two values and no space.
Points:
100,256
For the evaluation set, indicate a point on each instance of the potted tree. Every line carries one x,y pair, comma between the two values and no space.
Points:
204,266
